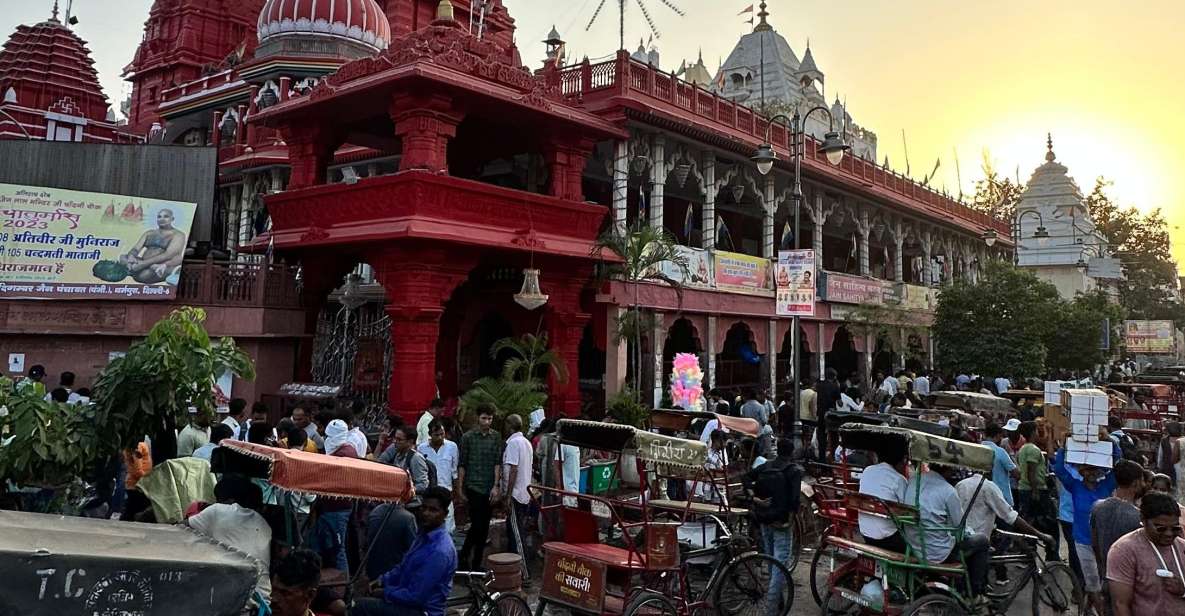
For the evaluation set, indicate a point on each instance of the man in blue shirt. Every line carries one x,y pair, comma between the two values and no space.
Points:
421,584
1095,485
1003,468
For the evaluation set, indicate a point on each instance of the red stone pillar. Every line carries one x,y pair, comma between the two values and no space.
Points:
566,162
310,150
425,124
565,328
417,284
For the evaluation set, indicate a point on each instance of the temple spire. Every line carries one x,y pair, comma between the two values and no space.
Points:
1049,155
761,15
54,17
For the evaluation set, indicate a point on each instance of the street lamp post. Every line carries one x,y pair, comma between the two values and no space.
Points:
833,147
1041,234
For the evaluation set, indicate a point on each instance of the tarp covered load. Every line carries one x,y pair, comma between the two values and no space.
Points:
65,565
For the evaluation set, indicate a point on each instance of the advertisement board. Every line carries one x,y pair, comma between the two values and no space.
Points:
700,272
844,289
65,244
743,273
795,280
1149,336
573,581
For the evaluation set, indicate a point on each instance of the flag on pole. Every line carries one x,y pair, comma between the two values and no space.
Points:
688,221
722,232
643,215
748,9
787,242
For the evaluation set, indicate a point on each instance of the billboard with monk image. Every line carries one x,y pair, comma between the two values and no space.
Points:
66,244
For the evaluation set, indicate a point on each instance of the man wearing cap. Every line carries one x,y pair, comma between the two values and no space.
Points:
1003,468
194,435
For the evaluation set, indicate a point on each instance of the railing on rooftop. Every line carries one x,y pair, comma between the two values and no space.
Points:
254,285
625,76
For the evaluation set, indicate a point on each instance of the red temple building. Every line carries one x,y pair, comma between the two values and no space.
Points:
405,142
49,89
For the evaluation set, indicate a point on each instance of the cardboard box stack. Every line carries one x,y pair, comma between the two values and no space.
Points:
1053,391
1088,411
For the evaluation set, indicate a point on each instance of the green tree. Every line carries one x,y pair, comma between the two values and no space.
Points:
996,195
1142,242
148,391
1074,343
531,354
640,255
998,326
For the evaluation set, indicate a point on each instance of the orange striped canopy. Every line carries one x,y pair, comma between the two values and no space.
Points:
319,474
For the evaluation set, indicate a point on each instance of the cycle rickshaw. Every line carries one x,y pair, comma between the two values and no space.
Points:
880,581
289,475
627,554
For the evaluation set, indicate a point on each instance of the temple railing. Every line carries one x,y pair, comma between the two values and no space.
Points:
256,285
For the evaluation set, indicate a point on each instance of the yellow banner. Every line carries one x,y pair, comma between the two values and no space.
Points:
65,244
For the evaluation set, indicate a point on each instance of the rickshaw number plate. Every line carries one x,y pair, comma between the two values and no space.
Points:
574,581
601,510
854,596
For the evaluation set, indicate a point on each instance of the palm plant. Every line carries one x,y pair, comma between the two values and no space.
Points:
644,255
531,354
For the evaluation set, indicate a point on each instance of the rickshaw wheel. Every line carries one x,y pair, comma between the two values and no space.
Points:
1054,590
508,605
651,604
827,560
934,605
833,603
745,584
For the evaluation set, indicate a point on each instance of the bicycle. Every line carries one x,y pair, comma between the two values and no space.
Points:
481,601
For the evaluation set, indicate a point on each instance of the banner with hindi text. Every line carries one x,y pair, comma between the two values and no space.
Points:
742,273
796,283
65,244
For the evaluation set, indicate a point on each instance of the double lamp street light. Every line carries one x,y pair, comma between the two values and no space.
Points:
833,148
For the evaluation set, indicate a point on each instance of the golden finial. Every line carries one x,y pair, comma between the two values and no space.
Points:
1049,155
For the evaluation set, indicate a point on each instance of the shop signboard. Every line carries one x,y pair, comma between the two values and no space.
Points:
66,244
742,273
573,581
844,289
1149,336
796,283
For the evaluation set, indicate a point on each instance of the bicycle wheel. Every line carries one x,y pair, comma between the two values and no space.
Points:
826,561
650,604
747,586
934,605
797,536
1054,590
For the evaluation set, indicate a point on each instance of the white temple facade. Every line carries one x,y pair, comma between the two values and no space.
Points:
1057,238
763,67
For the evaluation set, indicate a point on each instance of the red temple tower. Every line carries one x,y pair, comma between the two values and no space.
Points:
49,88
183,39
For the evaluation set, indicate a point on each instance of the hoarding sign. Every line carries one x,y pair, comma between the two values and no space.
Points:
65,244
795,281
699,268
744,273
845,289
1149,336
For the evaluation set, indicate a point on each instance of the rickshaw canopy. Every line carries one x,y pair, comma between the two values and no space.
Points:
303,472
1152,390
619,438
675,419
970,401
921,447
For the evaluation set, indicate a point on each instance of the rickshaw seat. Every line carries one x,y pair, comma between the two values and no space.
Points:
889,555
579,526
696,507
611,556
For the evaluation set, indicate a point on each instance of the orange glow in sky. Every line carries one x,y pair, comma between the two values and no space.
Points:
965,76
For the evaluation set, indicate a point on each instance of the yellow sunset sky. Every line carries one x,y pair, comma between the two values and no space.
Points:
958,76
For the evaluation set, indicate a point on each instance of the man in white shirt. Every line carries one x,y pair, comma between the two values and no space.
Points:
355,437
236,418
886,481
422,429
446,457
518,458
939,512
235,521
536,419
1002,385
890,385
989,504
921,385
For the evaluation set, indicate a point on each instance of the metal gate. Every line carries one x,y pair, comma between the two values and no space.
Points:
352,348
